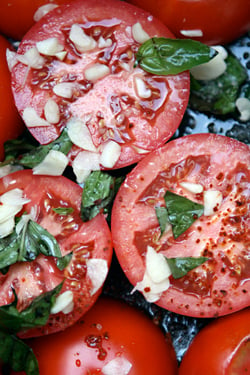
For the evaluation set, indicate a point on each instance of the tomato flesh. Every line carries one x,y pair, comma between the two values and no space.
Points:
111,106
220,285
86,240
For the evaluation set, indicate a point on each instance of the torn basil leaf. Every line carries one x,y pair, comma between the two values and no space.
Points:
182,212
17,355
64,211
162,216
36,314
27,245
98,194
218,96
181,266
37,155
165,56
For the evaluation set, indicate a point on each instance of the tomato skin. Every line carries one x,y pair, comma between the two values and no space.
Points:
87,240
214,289
221,348
11,124
121,330
220,21
16,16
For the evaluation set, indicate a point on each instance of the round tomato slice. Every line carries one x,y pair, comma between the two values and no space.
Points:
54,203
113,338
86,73
228,340
212,171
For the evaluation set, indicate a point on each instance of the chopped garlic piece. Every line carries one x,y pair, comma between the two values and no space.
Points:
6,227
32,58
84,163
192,33
139,34
103,43
42,10
96,71
53,164
32,119
213,68
11,57
97,270
64,89
141,87
52,111
110,154
192,187
14,197
79,134
243,106
156,277
82,41
64,303
117,366
212,201
49,47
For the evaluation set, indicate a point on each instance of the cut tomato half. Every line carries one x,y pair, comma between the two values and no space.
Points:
76,68
54,203
207,169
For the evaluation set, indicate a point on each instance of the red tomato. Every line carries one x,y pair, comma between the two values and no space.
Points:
111,330
111,107
17,16
222,347
219,22
218,165
86,240
11,124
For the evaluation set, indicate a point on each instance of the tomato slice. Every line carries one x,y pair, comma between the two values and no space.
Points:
125,105
90,240
217,164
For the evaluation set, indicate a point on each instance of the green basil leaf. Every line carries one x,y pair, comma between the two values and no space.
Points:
63,261
64,211
17,355
164,56
13,148
36,156
218,96
36,314
182,212
162,216
181,266
98,194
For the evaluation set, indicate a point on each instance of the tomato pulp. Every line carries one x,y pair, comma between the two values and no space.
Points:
86,241
219,166
120,104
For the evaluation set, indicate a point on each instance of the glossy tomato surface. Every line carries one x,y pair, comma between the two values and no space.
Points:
85,240
221,284
110,108
111,334
17,16
209,21
11,124
221,348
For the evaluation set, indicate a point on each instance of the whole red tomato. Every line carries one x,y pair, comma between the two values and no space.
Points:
219,22
17,16
11,124
221,348
112,338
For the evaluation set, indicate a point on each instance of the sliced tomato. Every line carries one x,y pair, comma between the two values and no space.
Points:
112,338
86,241
228,340
138,117
217,164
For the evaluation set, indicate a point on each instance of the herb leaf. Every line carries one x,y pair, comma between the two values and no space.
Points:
162,216
36,155
164,56
182,212
64,211
36,314
181,266
98,194
218,96
17,355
